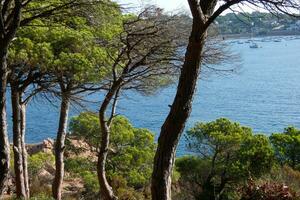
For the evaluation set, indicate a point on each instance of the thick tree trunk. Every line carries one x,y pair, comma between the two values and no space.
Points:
57,185
175,122
5,38
17,144
24,151
4,142
106,191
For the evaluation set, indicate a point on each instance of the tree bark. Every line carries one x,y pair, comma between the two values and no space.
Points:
180,110
106,191
5,38
4,142
17,144
24,150
57,185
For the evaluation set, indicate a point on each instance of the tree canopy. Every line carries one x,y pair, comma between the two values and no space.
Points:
227,154
131,149
287,146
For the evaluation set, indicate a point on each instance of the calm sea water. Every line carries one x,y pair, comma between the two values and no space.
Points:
264,94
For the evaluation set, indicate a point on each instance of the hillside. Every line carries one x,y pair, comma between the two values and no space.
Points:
258,24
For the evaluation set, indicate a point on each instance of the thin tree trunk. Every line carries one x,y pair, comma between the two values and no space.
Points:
24,151
57,185
175,122
4,142
17,144
106,191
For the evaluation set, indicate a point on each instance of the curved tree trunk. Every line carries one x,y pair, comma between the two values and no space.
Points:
5,38
4,142
180,110
106,191
17,144
57,185
24,151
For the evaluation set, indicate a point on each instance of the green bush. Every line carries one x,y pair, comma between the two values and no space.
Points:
38,161
226,154
90,181
77,165
41,196
287,146
131,149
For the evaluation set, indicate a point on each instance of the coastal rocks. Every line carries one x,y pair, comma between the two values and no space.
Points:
46,147
79,148
42,169
73,188
44,176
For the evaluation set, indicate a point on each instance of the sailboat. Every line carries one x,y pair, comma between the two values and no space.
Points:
254,45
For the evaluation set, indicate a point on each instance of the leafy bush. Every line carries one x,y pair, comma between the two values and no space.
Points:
86,125
90,181
41,196
131,149
39,161
77,165
287,146
227,154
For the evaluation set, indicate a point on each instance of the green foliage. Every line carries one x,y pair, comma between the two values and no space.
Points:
86,126
287,146
67,48
39,161
227,154
85,169
41,196
59,49
77,165
192,168
90,182
131,149
256,155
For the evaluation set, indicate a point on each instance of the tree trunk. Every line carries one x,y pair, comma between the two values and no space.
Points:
5,39
24,151
180,110
17,144
106,191
57,185
4,142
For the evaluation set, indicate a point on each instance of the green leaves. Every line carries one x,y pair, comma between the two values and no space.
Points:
227,153
131,149
66,47
256,155
220,136
287,146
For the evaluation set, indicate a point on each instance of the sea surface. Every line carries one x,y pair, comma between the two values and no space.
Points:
264,94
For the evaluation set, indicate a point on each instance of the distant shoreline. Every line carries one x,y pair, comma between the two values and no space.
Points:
248,35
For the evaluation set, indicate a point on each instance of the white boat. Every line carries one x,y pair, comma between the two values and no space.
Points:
254,46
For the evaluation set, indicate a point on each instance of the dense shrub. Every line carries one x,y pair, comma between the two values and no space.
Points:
130,158
39,161
76,165
226,154
287,146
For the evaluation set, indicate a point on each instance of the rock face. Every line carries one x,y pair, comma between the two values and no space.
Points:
42,180
79,148
46,146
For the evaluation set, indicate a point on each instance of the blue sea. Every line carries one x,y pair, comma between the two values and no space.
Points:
263,94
